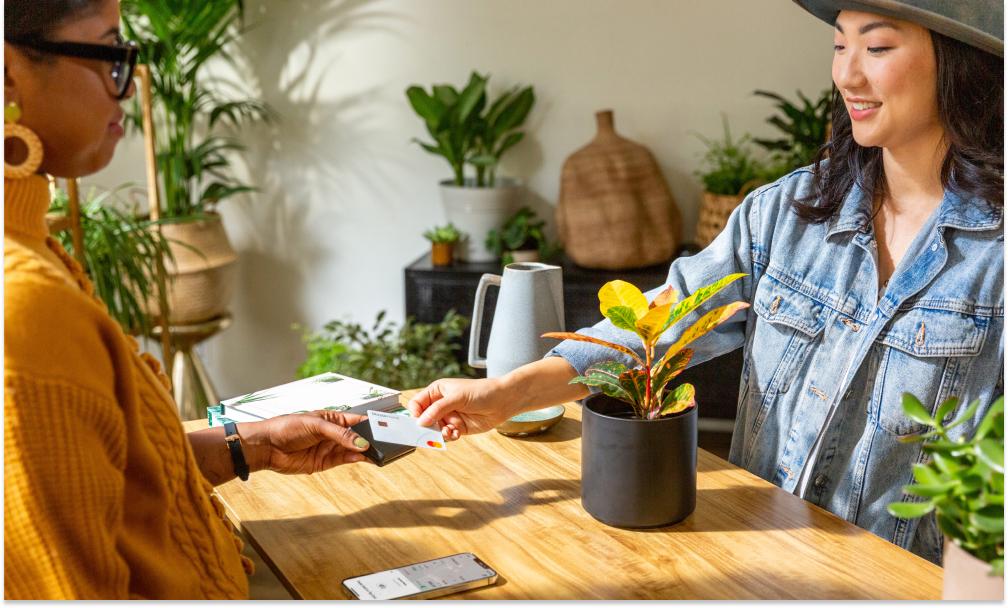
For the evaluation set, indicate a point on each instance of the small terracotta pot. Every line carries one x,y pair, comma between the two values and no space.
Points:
442,253
968,578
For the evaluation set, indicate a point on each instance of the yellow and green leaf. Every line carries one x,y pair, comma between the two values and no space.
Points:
606,376
660,376
621,293
703,325
649,326
634,382
679,399
622,317
698,297
566,335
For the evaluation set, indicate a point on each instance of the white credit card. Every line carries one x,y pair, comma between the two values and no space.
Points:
404,430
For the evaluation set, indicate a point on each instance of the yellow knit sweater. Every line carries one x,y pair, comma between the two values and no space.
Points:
102,495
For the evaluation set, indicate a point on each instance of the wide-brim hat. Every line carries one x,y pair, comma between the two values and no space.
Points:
978,23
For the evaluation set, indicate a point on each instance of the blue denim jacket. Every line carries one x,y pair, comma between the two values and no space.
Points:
827,356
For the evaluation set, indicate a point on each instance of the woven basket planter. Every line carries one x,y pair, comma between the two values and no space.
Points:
202,280
714,212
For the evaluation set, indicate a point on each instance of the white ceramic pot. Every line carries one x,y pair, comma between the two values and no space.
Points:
968,578
477,211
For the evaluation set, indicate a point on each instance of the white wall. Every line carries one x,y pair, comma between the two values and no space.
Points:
345,196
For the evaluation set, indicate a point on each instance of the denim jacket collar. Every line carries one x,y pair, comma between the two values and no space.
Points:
954,212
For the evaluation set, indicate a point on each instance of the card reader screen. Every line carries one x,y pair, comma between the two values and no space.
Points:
419,578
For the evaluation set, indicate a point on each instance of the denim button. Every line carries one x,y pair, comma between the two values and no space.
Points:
820,481
934,247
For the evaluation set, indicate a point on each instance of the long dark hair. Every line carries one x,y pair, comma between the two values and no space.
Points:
970,107
38,18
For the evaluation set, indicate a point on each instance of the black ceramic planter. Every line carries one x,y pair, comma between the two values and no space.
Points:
636,473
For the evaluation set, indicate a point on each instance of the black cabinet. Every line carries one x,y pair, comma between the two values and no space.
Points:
431,291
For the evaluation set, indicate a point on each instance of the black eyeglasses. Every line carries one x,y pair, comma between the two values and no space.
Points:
122,56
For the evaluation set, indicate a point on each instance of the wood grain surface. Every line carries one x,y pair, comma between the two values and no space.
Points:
516,504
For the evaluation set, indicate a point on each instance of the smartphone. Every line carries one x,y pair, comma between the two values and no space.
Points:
428,579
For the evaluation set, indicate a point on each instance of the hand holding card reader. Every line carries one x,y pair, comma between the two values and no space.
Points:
394,434
428,579
380,452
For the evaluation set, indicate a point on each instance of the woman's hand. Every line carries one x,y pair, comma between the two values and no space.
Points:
303,443
465,406
462,406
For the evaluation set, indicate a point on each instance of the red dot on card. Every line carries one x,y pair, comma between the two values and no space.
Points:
433,444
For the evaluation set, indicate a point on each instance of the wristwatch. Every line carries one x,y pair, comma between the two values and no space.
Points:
234,444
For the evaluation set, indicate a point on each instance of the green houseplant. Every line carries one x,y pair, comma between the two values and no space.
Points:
121,255
637,418
401,357
521,239
729,170
804,127
193,112
962,483
442,239
467,128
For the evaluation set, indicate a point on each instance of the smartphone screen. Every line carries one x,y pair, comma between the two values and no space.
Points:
430,579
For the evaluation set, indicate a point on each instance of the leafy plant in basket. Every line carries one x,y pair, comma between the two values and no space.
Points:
729,166
963,482
644,386
178,40
467,129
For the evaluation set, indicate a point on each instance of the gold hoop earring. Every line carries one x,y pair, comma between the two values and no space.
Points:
32,161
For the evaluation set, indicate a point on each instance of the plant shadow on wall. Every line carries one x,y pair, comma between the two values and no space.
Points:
315,148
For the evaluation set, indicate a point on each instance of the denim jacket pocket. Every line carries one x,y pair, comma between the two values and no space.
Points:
926,352
788,321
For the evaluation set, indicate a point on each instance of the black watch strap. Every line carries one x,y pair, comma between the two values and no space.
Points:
234,445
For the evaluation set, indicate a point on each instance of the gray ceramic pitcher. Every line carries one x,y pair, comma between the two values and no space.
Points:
530,303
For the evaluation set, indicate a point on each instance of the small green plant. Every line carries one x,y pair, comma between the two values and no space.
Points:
729,166
804,127
410,356
466,129
443,234
644,386
522,231
121,255
963,481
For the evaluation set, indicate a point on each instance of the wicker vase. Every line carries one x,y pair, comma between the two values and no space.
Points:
615,210
202,279
714,212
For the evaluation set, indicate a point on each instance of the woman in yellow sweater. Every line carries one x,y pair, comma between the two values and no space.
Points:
105,496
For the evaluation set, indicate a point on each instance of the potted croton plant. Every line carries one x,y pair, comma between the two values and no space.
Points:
467,128
639,436
962,483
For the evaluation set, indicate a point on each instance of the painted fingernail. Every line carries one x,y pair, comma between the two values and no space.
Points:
361,443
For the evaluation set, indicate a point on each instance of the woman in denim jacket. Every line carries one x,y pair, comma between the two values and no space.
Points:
878,270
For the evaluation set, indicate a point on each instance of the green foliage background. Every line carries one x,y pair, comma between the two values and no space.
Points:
401,357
